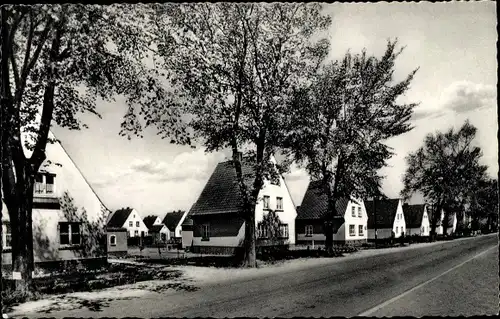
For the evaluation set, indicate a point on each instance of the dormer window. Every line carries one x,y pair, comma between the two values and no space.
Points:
44,183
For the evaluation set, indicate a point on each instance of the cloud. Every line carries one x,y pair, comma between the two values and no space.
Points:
194,165
296,173
459,97
465,96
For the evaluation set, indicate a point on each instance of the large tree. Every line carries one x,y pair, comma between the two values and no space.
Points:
340,123
234,67
446,170
484,204
58,61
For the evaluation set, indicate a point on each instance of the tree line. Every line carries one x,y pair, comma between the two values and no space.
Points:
245,77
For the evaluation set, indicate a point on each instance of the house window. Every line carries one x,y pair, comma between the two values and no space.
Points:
397,230
360,230
49,181
266,202
131,224
136,224
39,186
284,230
44,183
112,240
279,203
365,227
7,235
352,230
353,211
136,233
309,230
69,233
359,212
205,231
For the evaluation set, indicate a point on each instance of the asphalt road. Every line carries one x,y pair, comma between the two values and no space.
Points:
452,278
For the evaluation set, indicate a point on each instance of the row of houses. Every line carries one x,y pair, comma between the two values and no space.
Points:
127,223
212,225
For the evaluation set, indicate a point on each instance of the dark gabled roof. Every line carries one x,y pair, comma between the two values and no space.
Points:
119,217
315,203
386,212
413,215
172,219
221,193
156,228
149,220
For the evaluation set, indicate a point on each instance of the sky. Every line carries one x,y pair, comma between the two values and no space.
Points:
453,44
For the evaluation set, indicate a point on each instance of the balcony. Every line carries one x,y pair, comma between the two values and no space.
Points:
44,190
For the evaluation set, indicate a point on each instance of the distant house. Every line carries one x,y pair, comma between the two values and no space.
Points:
187,232
173,221
129,219
151,220
117,241
417,220
390,218
309,224
217,226
57,234
156,229
452,223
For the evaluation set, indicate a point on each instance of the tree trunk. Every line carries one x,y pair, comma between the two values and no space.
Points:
436,214
249,253
21,220
329,225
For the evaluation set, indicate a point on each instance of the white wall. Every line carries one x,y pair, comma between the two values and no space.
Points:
68,179
381,233
187,238
399,222
450,230
343,232
315,237
233,241
157,221
178,228
289,213
424,224
135,217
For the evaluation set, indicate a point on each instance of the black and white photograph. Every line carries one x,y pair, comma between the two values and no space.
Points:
249,159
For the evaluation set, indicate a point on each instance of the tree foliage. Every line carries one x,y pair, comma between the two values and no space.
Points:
484,204
93,236
233,68
341,120
58,61
446,170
